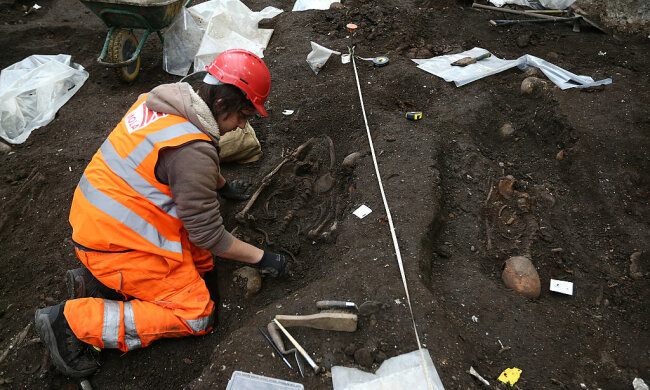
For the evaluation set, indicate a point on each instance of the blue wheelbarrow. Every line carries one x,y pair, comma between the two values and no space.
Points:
121,49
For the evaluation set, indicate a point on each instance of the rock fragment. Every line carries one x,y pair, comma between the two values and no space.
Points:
532,72
505,186
506,130
351,160
523,40
531,85
521,276
636,270
363,357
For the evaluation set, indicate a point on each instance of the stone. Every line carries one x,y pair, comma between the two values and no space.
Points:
336,6
532,84
363,357
412,53
351,160
523,40
520,275
324,183
552,56
560,155
380,357
424,53
4,148
505,186
532,72
636,271
506,130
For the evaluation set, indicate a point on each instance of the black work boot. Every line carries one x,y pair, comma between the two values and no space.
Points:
69,354
82,284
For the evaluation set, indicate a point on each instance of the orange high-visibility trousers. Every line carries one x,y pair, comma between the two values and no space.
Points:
167,299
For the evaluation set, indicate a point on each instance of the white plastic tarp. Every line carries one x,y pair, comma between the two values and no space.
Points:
548,4
33,90
182,40
230,24
399,372
441,67
303,5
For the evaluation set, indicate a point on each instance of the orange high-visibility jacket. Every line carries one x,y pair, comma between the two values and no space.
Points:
119,204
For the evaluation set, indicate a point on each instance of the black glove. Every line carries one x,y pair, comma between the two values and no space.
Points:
273,264
235,190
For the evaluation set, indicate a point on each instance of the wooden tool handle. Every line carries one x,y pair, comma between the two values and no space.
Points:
345,322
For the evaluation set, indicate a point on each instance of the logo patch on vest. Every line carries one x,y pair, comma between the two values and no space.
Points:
141,117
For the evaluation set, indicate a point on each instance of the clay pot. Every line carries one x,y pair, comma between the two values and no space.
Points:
521,276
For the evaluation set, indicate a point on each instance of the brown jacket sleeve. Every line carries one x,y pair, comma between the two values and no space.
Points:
191,172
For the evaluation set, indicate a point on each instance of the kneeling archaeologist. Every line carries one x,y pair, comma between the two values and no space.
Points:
146,222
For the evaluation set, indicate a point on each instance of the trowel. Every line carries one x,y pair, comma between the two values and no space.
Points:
470,60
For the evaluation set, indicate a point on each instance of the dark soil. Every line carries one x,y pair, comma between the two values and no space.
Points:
579,218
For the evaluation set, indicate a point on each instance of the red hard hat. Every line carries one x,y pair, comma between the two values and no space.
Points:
246,71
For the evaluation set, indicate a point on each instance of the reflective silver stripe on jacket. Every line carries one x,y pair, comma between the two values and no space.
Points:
202,323
111,328
126,216
131,337
146,146
125,167
135,181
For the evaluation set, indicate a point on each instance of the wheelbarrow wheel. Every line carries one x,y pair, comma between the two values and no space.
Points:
121,47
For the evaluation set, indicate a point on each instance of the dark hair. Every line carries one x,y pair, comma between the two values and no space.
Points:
232,99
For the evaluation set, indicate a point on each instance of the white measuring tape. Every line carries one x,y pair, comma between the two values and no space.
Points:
390,222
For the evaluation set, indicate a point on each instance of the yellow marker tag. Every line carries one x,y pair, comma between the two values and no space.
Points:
510,376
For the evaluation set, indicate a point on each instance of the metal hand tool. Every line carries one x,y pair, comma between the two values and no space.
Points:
302,351
275,348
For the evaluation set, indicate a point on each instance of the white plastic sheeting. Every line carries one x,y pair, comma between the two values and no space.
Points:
548,4
303,5
441,67
33,90
218,25
399,372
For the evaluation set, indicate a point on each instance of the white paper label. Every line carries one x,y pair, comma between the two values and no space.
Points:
362,211
562,286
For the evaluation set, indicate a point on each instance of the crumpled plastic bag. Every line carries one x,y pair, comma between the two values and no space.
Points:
33,90
230,24
319,56
182,40
303,5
